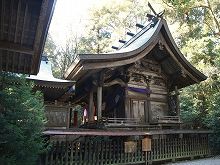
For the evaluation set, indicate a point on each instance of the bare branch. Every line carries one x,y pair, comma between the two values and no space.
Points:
168,4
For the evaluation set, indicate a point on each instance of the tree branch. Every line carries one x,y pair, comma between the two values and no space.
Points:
168,4
214,17
208,6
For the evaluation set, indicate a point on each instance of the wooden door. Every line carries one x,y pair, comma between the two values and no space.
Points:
138,109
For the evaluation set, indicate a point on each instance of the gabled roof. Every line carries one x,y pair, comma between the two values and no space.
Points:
23,29
155,39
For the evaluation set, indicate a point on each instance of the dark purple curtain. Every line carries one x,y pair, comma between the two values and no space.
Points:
139,90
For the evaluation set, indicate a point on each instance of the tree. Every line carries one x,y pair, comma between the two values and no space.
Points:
51,50
61,57
197,14
21,121
110,22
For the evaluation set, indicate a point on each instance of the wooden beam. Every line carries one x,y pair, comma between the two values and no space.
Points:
47,8
11,16
152,9
7,61
99,102
26,65
127,103
24,23
163,59
2,18
19,62
13,62
177,102
176,60
17,21
11,32
91,107
15,48
108,64
1,63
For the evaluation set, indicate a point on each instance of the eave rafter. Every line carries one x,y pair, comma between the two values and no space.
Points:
16,48
46,13
23,29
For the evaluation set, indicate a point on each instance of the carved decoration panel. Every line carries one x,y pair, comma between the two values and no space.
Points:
158,109
147,72
56,116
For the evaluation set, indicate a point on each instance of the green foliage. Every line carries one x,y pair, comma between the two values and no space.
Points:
200,107
213,121
21,121
117,18
199,15
193,107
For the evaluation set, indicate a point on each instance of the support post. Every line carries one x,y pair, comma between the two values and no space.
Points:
177,102
127,112
99,102
68,118
91,107
148,113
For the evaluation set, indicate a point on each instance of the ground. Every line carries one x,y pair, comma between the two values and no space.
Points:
206,161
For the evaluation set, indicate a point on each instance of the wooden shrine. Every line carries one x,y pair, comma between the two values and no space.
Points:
129,103
116,108
138,84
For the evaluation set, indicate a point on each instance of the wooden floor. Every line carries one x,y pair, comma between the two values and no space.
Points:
120,132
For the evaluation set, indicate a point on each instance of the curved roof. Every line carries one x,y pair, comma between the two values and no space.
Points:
52,88
23,29
143,43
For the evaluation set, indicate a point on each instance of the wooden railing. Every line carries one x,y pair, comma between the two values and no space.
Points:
128,123
168,119
101,152
121,121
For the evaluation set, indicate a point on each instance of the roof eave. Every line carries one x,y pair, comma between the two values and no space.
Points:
97,61
197,74
46,13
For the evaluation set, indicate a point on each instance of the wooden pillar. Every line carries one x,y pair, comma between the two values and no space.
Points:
68,117
127,107
91,107
177,102
148,113
127,104
99,102
75,119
